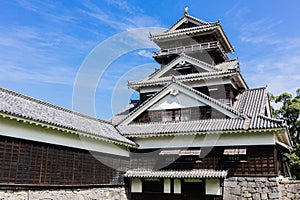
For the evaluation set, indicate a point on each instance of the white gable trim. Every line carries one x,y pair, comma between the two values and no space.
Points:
181,21
184,58
205,101
172,89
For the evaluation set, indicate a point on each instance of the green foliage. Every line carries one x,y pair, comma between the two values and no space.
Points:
289,111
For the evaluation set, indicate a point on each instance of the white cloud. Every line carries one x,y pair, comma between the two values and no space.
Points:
147,54
260,31
119,21
54,75
278,68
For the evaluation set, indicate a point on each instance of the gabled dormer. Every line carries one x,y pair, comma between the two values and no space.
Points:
179,102
222,82
184,65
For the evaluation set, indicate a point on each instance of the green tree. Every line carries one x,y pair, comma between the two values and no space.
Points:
289,110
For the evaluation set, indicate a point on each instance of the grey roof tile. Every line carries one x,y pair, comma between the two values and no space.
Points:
198,126
16,104
194,173
147,129
252,102
180,32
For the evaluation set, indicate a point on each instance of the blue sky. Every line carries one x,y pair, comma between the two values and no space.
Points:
44,44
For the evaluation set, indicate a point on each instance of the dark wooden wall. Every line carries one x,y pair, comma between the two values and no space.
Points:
259,161
31,163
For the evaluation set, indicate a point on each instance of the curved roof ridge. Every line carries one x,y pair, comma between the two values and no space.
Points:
182,55
199,61
183,78
192,18
183,30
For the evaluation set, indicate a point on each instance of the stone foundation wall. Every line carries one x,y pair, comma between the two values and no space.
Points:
66,194
289,189
249,188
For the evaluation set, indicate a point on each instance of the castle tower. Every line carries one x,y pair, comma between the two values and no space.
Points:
197,123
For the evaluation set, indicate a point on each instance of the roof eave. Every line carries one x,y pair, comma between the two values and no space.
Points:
67,130
242,131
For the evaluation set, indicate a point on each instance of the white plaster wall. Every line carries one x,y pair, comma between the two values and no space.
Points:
12,128
179,101
208,140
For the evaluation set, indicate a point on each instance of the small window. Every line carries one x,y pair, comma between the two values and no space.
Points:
177,186
235,154
235,151
167,186
136,185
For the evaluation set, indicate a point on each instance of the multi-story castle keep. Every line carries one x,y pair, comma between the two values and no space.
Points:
195,125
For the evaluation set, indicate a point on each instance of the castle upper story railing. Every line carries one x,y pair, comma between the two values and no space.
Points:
191,48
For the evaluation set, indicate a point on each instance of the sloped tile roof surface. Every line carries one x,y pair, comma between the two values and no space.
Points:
252,102
195,173
179,32
225,69
26,107
197,126
181,127
192,18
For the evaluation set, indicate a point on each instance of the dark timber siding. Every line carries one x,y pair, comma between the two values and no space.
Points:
31,163
259,161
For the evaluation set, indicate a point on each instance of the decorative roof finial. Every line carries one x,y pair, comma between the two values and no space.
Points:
186,11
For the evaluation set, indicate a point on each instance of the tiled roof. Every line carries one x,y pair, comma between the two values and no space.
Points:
197,126
22,106
193,18
182,78
225,69
252,102
147,129
180,32
120,116
176,60
228,65
195,173
212,100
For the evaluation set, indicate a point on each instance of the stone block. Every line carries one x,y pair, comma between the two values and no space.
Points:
256,196
290,195
263,196
274,195
2,195
249,179
234,179
272,179
274,189
263,180
246,194
259,184
240,179
251,184
235,191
